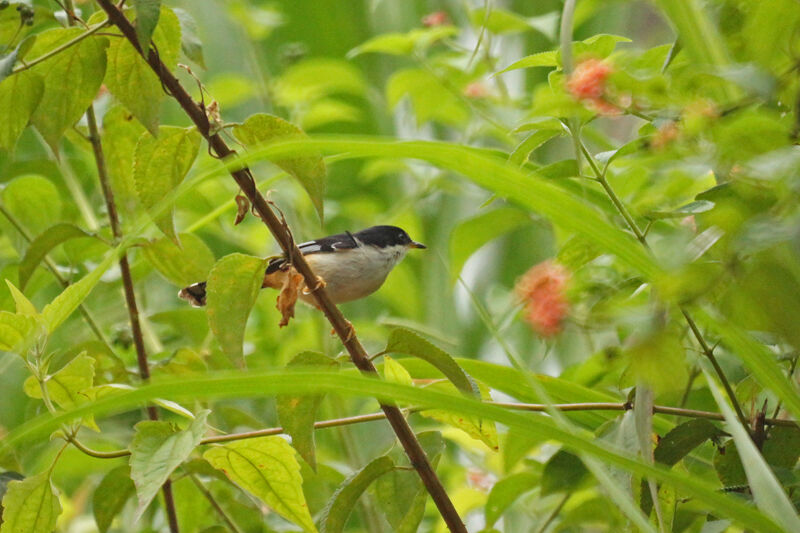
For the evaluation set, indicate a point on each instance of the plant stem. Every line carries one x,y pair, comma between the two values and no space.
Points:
341,325
552,516
130,295
215,504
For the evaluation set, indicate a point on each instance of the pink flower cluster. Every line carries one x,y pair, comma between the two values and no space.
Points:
588,83
542,290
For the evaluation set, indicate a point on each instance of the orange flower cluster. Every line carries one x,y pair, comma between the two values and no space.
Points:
542,290
588,83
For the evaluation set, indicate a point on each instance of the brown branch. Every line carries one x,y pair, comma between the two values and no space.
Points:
341,326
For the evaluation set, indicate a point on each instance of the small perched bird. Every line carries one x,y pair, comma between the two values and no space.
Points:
352,265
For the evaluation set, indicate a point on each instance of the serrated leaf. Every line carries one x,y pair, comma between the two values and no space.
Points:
417,40
84,64
16,332
30,505
395,372
309,171
121,132
191,45
42,245
506,491
70,298
157,449
334,516
160,164
184,265
266,468
297,414
480,429
540,59
19,96
147,15
473,233
111,495
405,341
24,306
563,472
233,285
131,80
66,387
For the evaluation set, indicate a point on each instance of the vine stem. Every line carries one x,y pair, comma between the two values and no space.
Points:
342,327
707,350
215,504
532,407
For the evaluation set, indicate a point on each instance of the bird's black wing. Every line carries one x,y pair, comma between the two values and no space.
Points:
332,243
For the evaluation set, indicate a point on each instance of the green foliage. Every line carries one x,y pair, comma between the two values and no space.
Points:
30,505
181,265
335,515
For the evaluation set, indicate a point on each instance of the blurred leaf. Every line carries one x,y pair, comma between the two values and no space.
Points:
501,21
539,59
160,164
24,306
31,505
471,234
184,265
417,40
157,449
700,206
34,202
19,96
395,372
515,447
329,110
522,152
297,414
405,341
119,136
84,64
506,491
267,469
311,79
147,15
334,516
478,428
767,491
233,286
111,495
131,80
684,438
430,97
42,245
67,386
564,472
16,331
782,447
658,360
191,45
310,171
596,46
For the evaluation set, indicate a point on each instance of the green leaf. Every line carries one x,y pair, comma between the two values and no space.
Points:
767,491
431,99
395,372
233,285
111,495
309,171
540,59
16,332
42,245
506,491
30,505
131,80
473,233
24,306
120,134
563,472
657,358
19,96
67,386
266,468
405,341
600,45
478,428
501,21
191,46
684,438
147,15
84,64
160,164
297,414
70,298
34,202
184,265
157,449
782,447
400,44
334,516
315,78
522,152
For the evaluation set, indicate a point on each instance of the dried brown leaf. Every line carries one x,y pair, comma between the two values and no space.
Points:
287,298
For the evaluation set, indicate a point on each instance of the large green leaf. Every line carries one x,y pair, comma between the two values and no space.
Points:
266,467
66,387
473,233
35,203
42,245
16,331
478,428
233,286
19,96
430,97
30,506
160,164
309,171
334,516
184,265
259,384
506,491
417,40
111,495
157,449
121,132
83,64
131,79
147,15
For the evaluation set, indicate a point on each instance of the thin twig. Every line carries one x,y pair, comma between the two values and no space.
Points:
554,514
215,504
340,324
58,49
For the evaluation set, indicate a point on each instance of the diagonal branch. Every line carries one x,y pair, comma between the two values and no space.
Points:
340,324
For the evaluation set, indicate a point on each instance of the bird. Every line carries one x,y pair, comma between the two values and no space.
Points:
351,265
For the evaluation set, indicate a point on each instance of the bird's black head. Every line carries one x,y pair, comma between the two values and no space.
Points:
385,236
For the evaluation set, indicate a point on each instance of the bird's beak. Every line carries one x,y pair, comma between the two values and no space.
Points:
417,245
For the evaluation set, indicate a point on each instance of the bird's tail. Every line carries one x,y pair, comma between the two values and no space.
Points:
195,294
